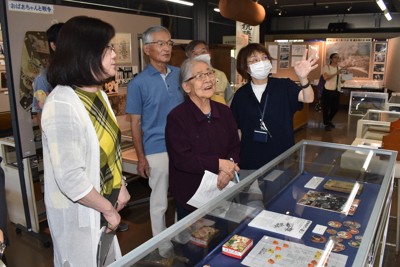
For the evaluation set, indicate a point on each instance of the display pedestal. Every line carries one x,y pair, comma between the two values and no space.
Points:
17,191
377,144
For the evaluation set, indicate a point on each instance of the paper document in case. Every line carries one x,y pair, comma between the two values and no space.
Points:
207,190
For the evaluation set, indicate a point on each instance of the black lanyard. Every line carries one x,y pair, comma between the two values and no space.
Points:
262,114
265,106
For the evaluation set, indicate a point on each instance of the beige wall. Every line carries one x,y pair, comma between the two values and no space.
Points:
392,76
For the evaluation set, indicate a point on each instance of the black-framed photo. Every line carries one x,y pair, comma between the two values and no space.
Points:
378,76
380,47
380,57
284,64
379,67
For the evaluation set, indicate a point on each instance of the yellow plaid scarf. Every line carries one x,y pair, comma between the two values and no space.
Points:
109,136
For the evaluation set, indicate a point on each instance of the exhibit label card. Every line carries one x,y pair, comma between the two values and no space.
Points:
271,251
314,182
281,224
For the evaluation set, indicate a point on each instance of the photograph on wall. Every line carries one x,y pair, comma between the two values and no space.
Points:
378,76
354,53
380,47
122,46
298,50
284,48
379,67
284,64
284,56
380,57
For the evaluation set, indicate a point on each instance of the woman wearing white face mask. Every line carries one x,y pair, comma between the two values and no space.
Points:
264,106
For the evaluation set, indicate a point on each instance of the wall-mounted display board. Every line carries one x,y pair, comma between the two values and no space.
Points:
362,58
285,56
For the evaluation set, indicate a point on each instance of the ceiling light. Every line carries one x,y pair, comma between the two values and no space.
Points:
387,15
186,3
381,5
349,8
217,10
280,13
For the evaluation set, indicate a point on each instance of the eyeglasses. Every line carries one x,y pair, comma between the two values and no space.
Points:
162,43
110,47
257,59
202,76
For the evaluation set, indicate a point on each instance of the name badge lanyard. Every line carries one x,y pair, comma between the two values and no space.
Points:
262,124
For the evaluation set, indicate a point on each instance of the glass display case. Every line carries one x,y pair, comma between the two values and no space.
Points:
394,102
375,124
307,206
361,102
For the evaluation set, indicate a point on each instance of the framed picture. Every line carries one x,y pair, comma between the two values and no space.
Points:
379,67
380,57
122,45
380,47
378,76
284,64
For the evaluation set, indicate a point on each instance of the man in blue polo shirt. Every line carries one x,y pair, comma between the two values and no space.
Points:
151,96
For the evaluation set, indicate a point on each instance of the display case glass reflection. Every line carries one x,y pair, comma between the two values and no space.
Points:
361,102
264,207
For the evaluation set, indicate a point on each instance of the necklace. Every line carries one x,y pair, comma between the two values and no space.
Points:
208,115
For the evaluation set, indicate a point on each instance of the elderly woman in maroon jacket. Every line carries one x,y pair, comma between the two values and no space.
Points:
201,134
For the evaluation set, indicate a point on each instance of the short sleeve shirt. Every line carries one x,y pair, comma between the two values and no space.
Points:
152,97
41,89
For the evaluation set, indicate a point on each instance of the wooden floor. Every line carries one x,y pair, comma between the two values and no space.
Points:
26,250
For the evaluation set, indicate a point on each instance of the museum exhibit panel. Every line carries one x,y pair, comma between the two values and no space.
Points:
307,205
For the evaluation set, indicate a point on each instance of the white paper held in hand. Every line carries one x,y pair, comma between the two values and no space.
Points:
207,190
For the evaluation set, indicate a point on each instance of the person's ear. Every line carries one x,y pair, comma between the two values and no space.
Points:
186,87
146,49
53,46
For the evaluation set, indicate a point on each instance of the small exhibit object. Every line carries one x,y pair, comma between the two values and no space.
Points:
202,236
341,186
327,201
237,246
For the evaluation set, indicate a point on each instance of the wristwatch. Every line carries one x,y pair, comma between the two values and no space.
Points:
2,248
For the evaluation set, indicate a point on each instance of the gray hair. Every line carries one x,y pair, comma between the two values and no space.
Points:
190,46
186,68
148,34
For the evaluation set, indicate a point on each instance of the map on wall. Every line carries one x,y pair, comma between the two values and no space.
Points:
355,54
